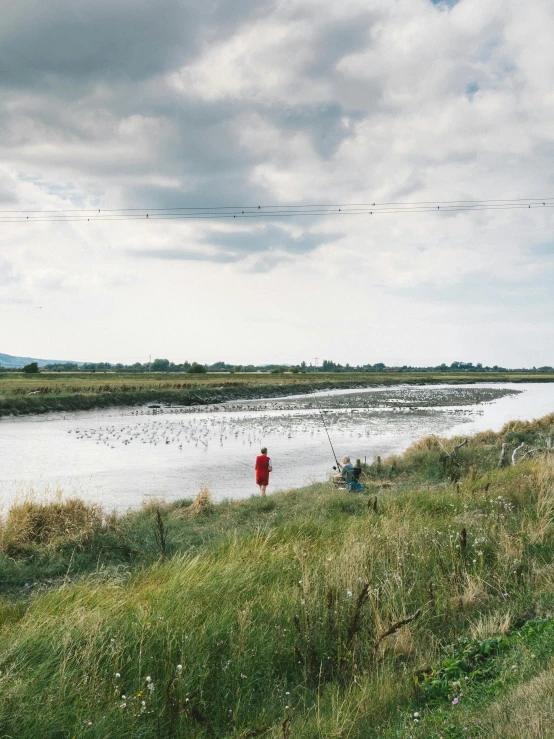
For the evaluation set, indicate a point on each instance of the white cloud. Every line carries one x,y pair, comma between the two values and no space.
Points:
288,102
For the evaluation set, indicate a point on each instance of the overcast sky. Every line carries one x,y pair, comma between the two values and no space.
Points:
172,103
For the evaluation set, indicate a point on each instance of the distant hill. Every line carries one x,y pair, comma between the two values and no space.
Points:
7,360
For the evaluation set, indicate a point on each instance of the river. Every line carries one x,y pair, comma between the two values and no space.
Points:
122,457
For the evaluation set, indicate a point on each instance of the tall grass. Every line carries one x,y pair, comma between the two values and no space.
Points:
308,614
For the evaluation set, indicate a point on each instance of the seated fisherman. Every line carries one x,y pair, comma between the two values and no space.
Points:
346,472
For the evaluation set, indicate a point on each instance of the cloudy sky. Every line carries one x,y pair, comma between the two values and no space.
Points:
136,104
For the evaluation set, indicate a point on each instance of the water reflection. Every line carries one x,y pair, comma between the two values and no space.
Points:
121,456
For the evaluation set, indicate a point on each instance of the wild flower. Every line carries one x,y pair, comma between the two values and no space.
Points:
179,667
455,701
117,674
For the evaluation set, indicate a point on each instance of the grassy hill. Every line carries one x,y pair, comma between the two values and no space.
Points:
423,608
8,360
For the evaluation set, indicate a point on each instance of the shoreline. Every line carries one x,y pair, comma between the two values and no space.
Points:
41,402
288,600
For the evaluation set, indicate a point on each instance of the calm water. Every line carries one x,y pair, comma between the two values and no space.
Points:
121,457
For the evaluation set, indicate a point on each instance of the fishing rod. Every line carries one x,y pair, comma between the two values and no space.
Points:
325,427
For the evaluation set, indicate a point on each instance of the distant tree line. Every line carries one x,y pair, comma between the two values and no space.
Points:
164,365
329,366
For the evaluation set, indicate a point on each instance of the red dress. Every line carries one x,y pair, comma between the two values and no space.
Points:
262,471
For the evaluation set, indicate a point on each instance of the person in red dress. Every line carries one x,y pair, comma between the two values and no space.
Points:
263,468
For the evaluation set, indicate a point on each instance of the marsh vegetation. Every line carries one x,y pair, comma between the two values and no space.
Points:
423,608
22,393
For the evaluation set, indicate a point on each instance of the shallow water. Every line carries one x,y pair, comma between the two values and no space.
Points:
121,457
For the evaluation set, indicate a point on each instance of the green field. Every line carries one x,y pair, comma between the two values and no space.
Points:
423,608
56,391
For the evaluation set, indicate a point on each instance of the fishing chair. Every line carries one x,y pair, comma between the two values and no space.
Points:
350,482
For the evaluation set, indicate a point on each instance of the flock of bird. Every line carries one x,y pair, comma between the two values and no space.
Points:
258,422
203,429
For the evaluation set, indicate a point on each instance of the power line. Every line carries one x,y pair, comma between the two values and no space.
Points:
283,205
268,211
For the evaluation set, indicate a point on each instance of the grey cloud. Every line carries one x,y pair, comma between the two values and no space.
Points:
8,273
334,42
81,70
268,238
127,39
268,262
273,243
481,289
7,195
545,249
181,254
407,189
14,300
326,123
83,40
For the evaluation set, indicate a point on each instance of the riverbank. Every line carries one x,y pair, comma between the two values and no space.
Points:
65,392
314,612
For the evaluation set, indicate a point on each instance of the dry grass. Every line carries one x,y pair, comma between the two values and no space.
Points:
404,646
425,444
526,713
543,425
473,593
544,577
491,625
63,383
202,505
545,501
42,522
154,504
